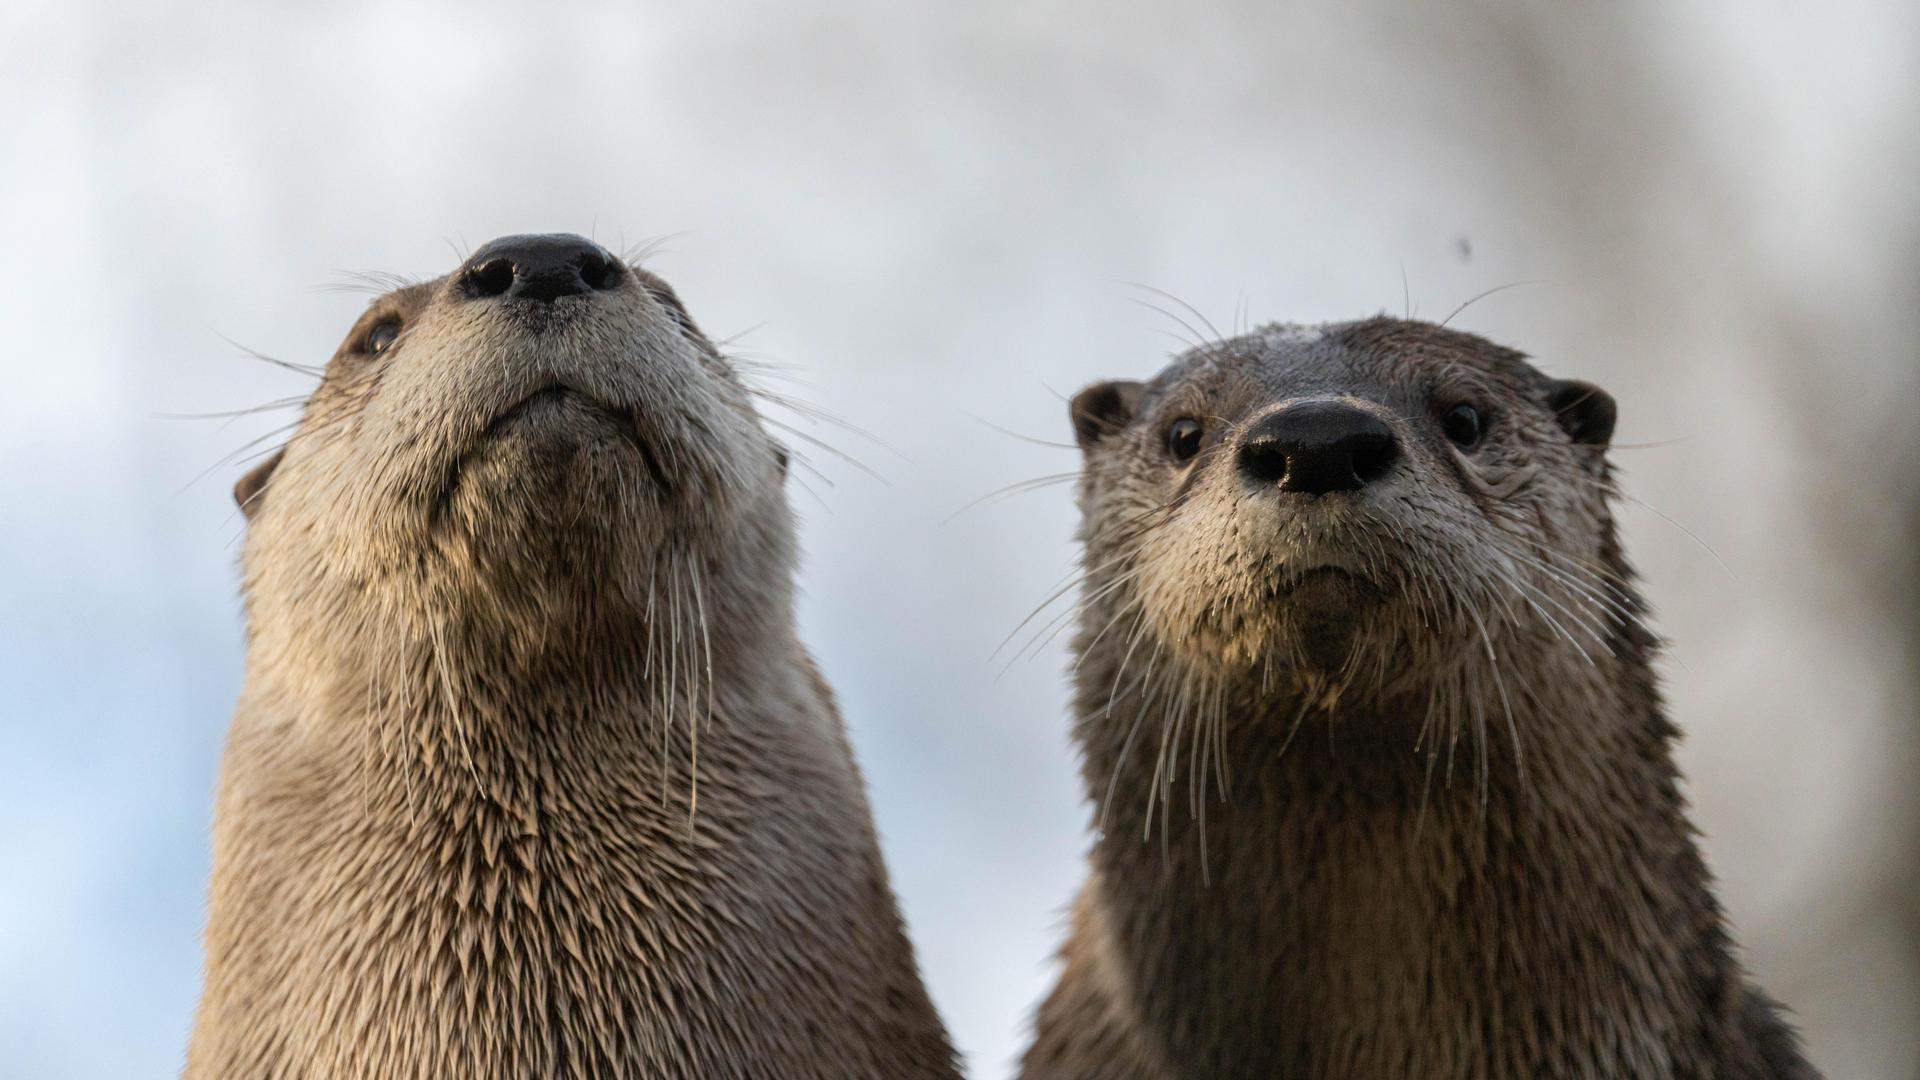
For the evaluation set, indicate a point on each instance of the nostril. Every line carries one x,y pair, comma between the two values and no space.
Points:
599,272
1264,462
491,278
1373,454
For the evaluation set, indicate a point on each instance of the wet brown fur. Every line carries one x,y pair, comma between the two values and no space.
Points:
1430,827
531,775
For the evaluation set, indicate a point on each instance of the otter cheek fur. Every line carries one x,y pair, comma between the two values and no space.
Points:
1365,702
530,775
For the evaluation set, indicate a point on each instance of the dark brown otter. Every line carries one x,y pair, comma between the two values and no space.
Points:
531,776
1365,700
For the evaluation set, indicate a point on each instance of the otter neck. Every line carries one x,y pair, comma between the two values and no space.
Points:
456,701
524,841
1351,905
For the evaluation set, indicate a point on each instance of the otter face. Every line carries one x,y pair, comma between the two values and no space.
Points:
543,419
1331,507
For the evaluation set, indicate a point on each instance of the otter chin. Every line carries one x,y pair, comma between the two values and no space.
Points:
531,774
1403,535
564,416
556,446
1330,606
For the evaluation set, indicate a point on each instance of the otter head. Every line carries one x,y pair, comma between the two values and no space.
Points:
1337,510
535,448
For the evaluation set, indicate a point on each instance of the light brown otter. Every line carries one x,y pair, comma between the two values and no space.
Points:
530,775
1366,707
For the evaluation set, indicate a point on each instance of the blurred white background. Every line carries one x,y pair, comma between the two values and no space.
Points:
932,213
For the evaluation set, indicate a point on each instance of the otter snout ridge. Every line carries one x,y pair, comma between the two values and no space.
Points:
540,268
1316,447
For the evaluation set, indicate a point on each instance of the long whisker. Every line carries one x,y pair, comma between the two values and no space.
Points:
1194,339
1472,300
1126,748
693,726
1196,312
1014,434
1612,490
1073,581
1047,633
1493,665
824,445
232,414
252,354
1019,488
809,411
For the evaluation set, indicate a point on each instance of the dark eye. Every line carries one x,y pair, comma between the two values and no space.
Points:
382,336
674,310
1463,425
1183,439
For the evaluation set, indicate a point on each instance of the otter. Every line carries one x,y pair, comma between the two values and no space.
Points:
1364,697
530,774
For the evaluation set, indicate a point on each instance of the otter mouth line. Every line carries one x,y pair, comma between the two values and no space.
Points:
1326,588
549,403
1322,577
552,403
549,410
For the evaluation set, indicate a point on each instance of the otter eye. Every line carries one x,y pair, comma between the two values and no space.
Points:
1462,425
381,336
667,300
1183,439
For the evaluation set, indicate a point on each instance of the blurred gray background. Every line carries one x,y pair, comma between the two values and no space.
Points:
932,213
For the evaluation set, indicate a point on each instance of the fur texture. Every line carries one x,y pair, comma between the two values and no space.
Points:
530,775
1383,780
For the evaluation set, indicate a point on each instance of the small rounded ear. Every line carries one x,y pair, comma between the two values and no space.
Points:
663,293
1584,410
1102,409
251,492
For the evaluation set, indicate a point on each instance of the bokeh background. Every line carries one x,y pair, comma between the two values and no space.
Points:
933,212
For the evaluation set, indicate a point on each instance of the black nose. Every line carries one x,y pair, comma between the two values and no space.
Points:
540,268
1318,446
